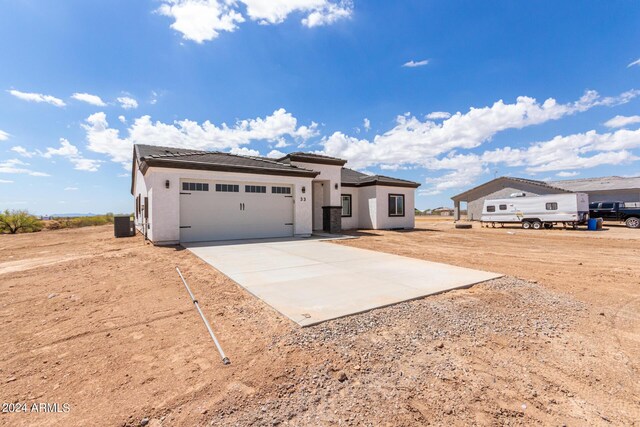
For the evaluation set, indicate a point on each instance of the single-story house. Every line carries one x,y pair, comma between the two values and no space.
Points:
184,195
606,189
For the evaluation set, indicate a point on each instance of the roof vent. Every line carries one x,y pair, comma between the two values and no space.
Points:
518,194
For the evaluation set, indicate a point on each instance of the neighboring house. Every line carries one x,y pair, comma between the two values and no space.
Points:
184,195
606,189
442,211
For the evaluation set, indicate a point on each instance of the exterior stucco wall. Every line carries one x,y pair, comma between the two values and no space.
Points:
139,189
367,207
385,221
331,173
352,222
497,191
164,219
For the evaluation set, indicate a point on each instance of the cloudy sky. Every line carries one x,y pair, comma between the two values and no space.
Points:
448,94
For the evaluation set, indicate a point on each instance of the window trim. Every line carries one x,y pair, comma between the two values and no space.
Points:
500,207
350,197
389,204
280,189
491,208
248,188
235,188
550,206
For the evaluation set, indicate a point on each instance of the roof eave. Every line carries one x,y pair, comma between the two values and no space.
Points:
166,163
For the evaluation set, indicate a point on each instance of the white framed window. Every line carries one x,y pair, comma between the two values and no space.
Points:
255,189
228,188
195,186
281,190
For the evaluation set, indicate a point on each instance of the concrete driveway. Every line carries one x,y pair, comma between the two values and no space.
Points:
311,281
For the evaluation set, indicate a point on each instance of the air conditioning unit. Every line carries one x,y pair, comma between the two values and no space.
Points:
518,194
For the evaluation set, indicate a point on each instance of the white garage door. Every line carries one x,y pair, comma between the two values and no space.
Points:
213,210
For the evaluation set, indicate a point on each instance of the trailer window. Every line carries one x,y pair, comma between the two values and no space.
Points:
503,207
552,206
491,208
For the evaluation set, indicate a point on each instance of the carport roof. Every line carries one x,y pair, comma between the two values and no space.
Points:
464,196
352,178
606,183
184,158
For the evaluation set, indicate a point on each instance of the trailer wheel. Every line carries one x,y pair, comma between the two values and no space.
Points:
537,225
526,225
632,222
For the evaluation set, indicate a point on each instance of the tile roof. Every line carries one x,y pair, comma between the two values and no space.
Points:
198,159
300,156
352,178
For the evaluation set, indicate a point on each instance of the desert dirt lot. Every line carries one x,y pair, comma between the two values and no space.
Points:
106,326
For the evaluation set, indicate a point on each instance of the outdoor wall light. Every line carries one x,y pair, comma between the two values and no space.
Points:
166,184
304,189
336,185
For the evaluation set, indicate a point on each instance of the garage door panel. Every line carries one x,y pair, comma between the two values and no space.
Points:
216,215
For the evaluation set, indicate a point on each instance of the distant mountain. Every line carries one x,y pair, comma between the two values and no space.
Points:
71,215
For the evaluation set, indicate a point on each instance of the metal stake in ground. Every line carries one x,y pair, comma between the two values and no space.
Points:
225,359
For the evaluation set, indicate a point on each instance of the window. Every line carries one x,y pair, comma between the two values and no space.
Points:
491,208
228,188
255,189
396,205
593,205
503,207
281,190
195,186
552,206
606,206
346,205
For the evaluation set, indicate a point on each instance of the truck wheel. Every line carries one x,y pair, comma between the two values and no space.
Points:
537,225
526,225
632,222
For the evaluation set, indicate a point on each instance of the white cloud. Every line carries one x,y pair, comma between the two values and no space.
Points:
37,97
16,166
566,174
636,62
4,135
127,102
189,134
413,64
71,189
204,20
244,151
366,124
122,119
622,121
412,141
89,99
275,154
6,181
72,153
201,20
22,151
437,115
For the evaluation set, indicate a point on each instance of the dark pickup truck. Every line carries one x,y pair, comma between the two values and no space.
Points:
629,213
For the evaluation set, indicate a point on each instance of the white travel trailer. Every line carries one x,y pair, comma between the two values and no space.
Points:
537,211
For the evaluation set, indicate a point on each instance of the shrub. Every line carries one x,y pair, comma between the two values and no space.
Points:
80,221
19,221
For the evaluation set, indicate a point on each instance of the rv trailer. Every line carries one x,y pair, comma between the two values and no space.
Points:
570,209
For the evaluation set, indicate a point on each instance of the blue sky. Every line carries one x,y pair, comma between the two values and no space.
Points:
448,94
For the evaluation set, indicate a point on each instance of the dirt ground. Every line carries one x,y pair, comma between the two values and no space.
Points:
105,326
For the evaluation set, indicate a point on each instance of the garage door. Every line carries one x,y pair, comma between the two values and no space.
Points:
213,210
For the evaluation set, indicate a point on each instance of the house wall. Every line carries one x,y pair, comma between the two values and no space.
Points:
499,191
382,209
352,222
164,218
331,173
367,207
139,189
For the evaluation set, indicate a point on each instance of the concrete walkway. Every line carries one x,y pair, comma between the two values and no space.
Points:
311,281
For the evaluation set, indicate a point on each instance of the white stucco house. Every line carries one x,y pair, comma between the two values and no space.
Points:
184,195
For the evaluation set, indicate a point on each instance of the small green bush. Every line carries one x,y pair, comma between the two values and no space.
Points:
19,221
81,221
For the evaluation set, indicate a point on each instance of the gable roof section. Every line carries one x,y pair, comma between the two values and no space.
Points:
542,184
179,158
352,178
606,183
299,156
